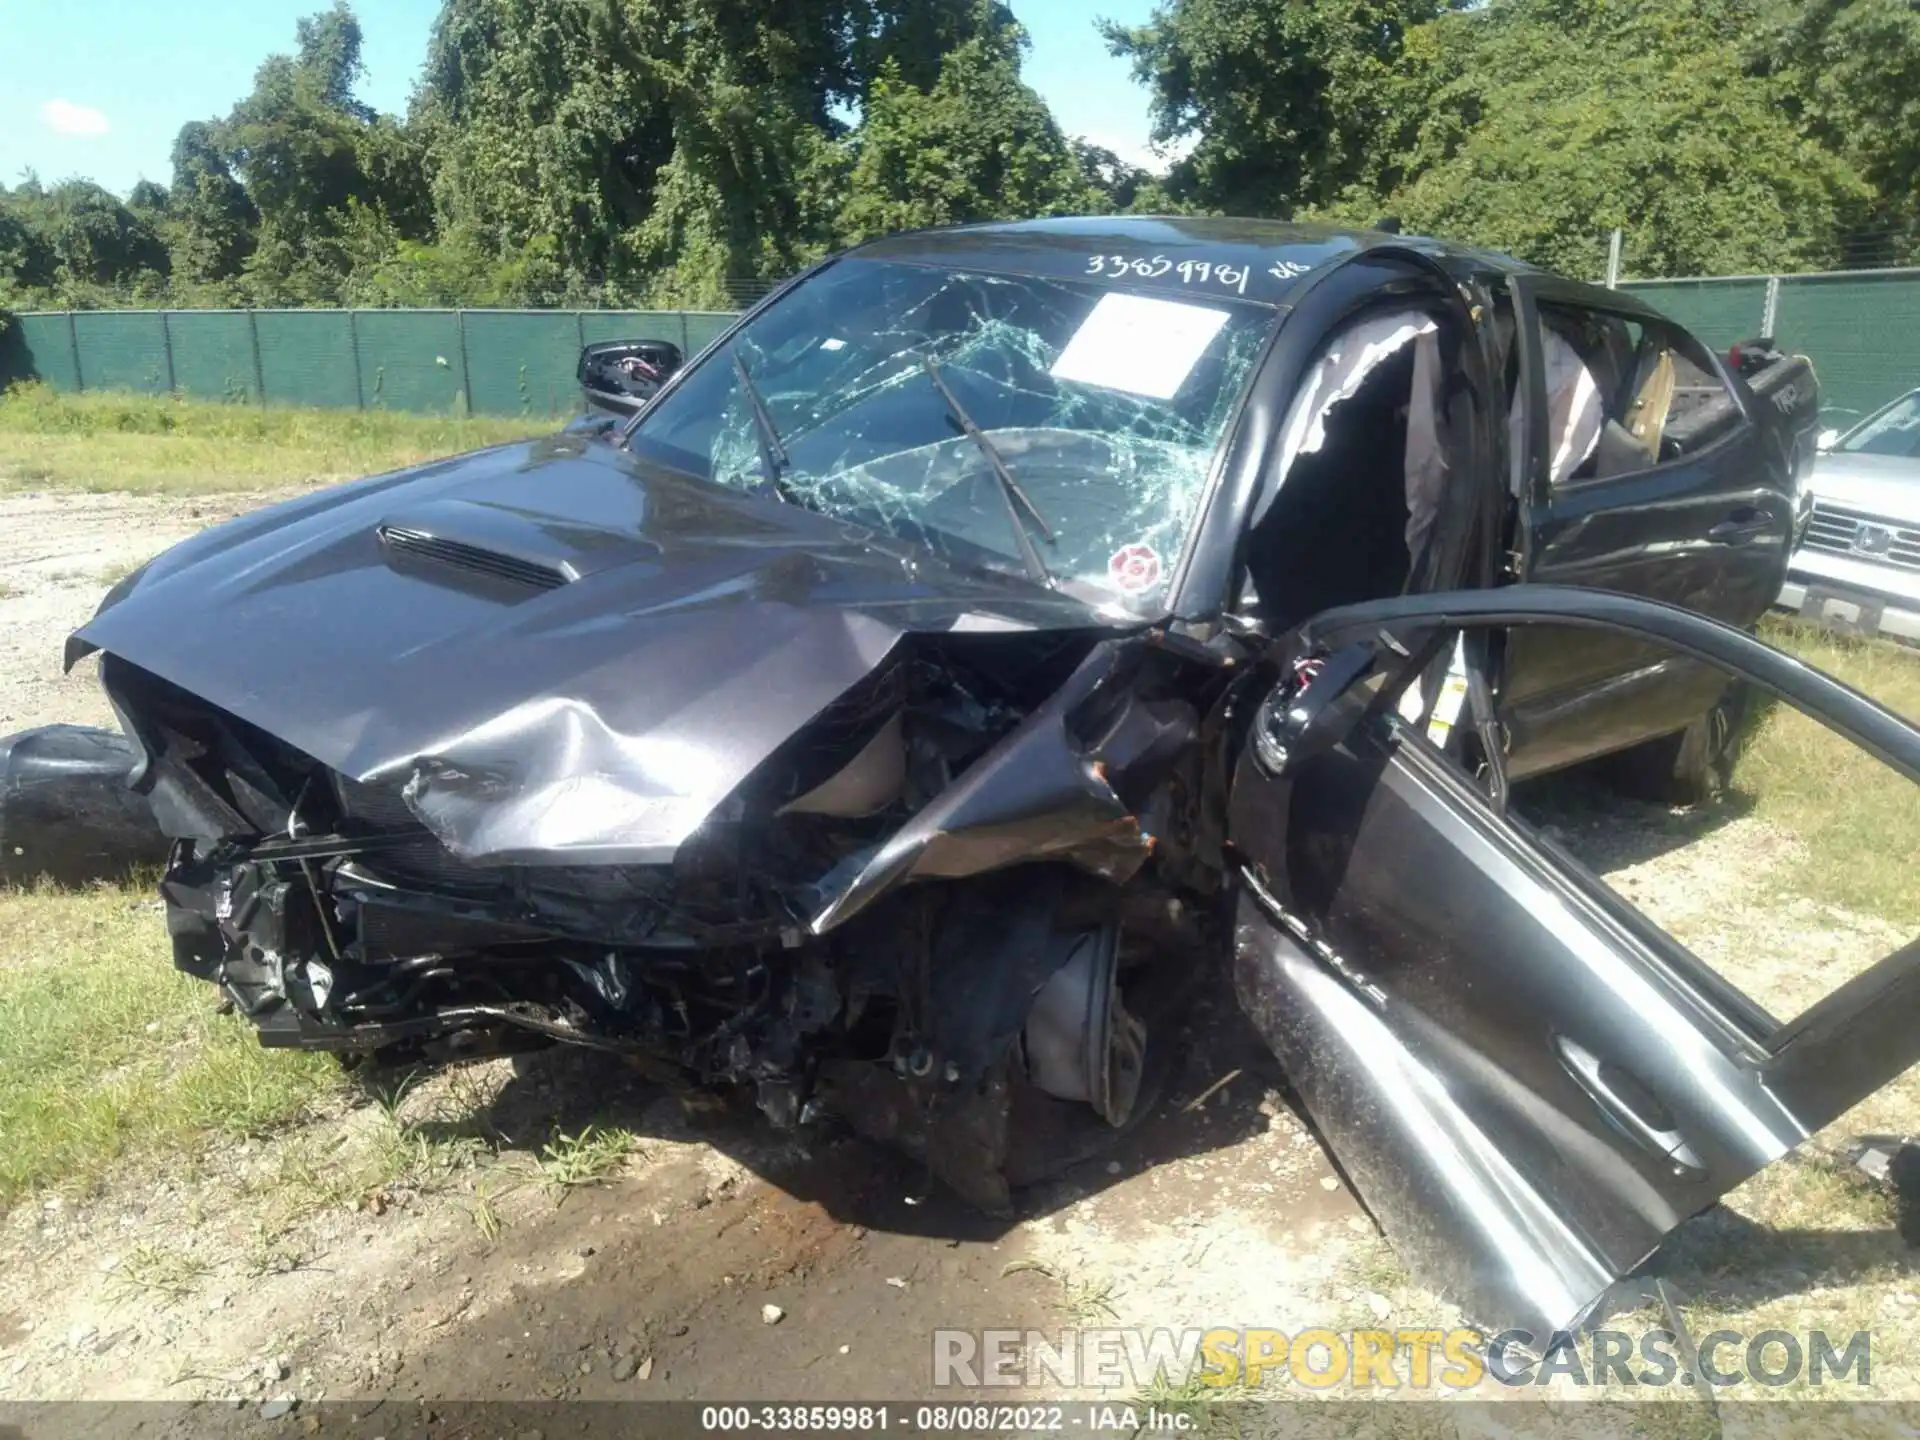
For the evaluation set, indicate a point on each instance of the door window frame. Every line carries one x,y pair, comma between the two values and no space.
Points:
1205,585
1529,292
1846,712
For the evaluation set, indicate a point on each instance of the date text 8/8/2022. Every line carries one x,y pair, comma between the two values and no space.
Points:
962,1419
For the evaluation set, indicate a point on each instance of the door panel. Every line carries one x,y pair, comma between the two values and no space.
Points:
1430,1022
1568,703
1528,1082
1710,532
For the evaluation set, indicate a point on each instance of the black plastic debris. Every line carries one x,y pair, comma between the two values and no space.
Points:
1894,1161
65,810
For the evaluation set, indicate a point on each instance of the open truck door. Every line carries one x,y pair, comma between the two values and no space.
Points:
1528,1081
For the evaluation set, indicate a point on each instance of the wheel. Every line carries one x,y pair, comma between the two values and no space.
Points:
1690,766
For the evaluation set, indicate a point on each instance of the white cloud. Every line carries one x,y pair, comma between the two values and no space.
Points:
71,119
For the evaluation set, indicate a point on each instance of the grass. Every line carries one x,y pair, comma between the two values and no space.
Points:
109,441
1204,1410
569,1161
159,1271
107,1054
485,1213
1084,1299
1859,821
106,1051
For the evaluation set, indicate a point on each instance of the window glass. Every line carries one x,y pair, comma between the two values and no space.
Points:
1105,407
1894,431
1624,396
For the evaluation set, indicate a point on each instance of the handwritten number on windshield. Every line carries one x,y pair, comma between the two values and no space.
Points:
1154,267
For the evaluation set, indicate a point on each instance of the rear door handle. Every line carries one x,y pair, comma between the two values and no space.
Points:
1630,1106
1742,527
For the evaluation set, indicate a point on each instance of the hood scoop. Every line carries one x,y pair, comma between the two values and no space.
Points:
522,548
406,543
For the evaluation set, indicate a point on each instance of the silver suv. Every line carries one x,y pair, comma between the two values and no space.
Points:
1857,566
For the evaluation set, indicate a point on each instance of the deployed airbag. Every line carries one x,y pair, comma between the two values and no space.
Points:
1353,356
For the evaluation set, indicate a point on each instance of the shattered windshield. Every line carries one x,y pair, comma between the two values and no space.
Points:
1063,420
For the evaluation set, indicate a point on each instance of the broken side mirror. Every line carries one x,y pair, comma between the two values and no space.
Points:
1301,719
621,376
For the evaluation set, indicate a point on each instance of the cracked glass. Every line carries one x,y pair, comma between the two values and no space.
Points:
1113,455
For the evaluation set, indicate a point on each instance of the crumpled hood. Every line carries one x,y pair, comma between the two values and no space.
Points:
564,655
1887,486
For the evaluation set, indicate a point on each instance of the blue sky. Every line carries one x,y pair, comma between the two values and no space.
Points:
100,90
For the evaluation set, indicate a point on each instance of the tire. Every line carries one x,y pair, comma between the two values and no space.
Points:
66,812
1690,766
1046,1136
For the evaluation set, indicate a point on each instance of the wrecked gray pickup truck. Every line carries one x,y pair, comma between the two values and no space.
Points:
901,712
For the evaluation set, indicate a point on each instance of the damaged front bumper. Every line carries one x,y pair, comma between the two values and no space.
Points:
982,1016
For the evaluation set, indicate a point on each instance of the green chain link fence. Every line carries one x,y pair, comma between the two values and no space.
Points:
1857,326
482,362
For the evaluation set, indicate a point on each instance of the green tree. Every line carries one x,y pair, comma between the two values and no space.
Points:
1117,185
313,161
149,200
1537,126
543,125
27,261
979,145
762,174
1289,103
458,270
914,36
211,221
94,243
666,148
1849,72
1548,123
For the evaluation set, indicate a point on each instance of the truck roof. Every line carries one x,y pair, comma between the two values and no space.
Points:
1258,260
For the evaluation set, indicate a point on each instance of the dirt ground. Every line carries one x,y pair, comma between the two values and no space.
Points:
1221,1211
58,554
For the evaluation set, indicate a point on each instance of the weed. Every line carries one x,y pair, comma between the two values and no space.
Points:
485,1214
108,576
568,1161
1083,1299
1377,1268
154,1270
390,1092
1200,1404
274,1255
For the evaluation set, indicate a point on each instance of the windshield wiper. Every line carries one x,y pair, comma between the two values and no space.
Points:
1010,490
773,455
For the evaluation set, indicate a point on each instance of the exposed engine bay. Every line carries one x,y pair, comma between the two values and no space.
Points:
1050,785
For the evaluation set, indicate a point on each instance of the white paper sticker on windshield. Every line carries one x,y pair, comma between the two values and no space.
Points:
1143,346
